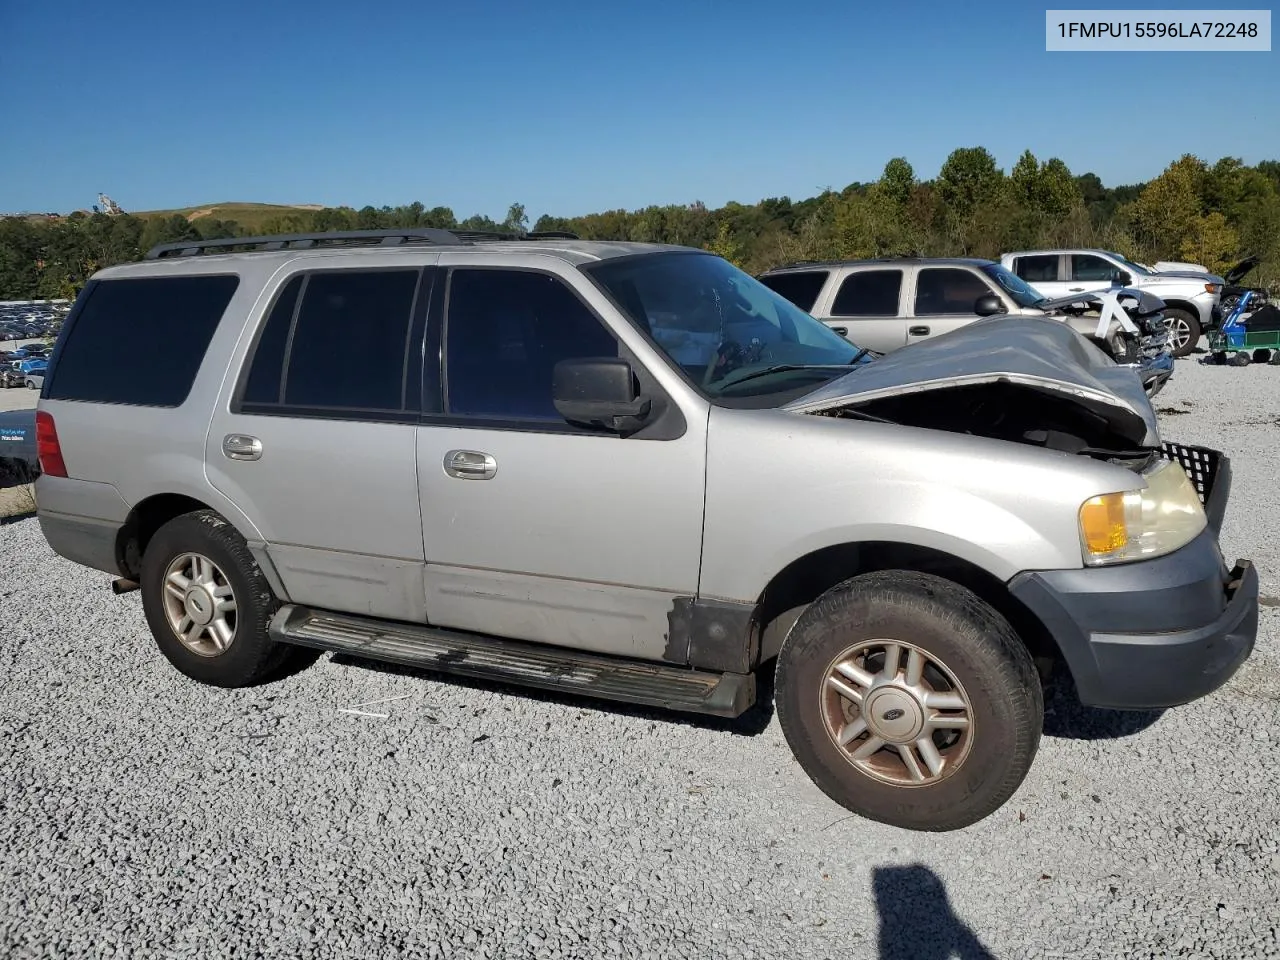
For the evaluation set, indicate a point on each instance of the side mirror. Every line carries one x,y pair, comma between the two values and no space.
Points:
987,305
599,392
1122,278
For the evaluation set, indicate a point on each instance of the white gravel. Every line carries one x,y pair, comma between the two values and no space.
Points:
142,815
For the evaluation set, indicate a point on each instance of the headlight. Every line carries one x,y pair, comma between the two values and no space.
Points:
1116,527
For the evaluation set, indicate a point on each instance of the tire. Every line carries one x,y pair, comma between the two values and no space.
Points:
250,656
1238,359
1182,323
989,669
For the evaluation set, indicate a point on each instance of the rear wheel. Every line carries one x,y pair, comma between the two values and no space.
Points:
909,700
1184,331
208,603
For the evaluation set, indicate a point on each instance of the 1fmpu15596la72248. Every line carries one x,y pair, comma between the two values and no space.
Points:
635,472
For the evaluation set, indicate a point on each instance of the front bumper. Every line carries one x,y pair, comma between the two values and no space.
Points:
1154,371
1153,633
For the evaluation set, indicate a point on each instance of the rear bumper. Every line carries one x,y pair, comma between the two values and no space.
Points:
82,540
82,520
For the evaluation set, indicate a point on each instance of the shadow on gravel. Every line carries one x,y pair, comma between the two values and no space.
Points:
751,724
1067,718
916,919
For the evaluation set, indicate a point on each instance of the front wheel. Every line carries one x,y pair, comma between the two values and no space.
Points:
909,700
1184,331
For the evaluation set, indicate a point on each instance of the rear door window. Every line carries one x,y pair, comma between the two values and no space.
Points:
158,328
337,342
801,288
1037,269
869,293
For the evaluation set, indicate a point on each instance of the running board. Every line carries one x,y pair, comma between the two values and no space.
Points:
511,661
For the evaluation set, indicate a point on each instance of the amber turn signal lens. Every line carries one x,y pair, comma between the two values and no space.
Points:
1102,523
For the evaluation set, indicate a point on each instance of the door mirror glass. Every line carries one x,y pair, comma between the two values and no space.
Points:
987,305
599,392
1122,278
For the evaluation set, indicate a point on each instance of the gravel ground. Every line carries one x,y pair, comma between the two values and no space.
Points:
142,815
18,398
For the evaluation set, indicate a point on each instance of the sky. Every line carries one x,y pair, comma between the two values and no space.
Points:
571,107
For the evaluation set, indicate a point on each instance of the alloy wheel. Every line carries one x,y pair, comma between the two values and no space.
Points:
896,712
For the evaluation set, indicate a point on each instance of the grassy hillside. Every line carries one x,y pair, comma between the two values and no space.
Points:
248,215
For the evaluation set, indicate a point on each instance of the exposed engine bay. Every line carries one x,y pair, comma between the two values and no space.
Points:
1012,412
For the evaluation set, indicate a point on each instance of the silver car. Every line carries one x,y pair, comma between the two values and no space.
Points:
633,471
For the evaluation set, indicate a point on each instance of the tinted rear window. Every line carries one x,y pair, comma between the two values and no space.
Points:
869,293
802,289
337,341
157,328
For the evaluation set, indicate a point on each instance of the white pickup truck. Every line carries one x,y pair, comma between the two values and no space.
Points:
1192,300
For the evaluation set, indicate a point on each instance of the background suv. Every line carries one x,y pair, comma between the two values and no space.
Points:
1191,301
888,303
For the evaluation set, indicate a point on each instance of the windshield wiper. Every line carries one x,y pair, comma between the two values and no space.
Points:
862,352
778,368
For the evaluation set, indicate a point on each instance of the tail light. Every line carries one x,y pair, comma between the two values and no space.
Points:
48,450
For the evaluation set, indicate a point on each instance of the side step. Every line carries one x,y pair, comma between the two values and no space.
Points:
526,664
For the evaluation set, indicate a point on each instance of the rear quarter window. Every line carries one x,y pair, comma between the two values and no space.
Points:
140,341
800,288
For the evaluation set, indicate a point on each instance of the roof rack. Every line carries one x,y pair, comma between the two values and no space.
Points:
343,238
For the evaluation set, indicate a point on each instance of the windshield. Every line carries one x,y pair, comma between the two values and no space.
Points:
1023,293
728,332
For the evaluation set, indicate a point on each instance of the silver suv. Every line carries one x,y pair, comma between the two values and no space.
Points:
1191,299
635,472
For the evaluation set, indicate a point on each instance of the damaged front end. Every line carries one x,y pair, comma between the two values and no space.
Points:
1126,322
1024,380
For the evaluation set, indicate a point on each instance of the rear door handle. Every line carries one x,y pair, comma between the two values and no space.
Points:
1075,289
918,331
470,465
238,446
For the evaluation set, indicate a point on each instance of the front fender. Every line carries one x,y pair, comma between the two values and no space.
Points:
737,565
781,486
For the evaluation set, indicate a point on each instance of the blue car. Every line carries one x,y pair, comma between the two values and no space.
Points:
35,363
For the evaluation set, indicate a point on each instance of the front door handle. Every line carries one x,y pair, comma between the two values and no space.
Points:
918,331
843,331
470,465
238,446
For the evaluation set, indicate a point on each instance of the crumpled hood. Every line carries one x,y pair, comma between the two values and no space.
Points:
1038,353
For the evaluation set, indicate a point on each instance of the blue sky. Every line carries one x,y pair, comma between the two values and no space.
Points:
570,107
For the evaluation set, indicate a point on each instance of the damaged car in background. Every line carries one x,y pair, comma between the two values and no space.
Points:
891,302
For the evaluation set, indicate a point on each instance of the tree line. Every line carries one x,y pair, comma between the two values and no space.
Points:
1209,214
